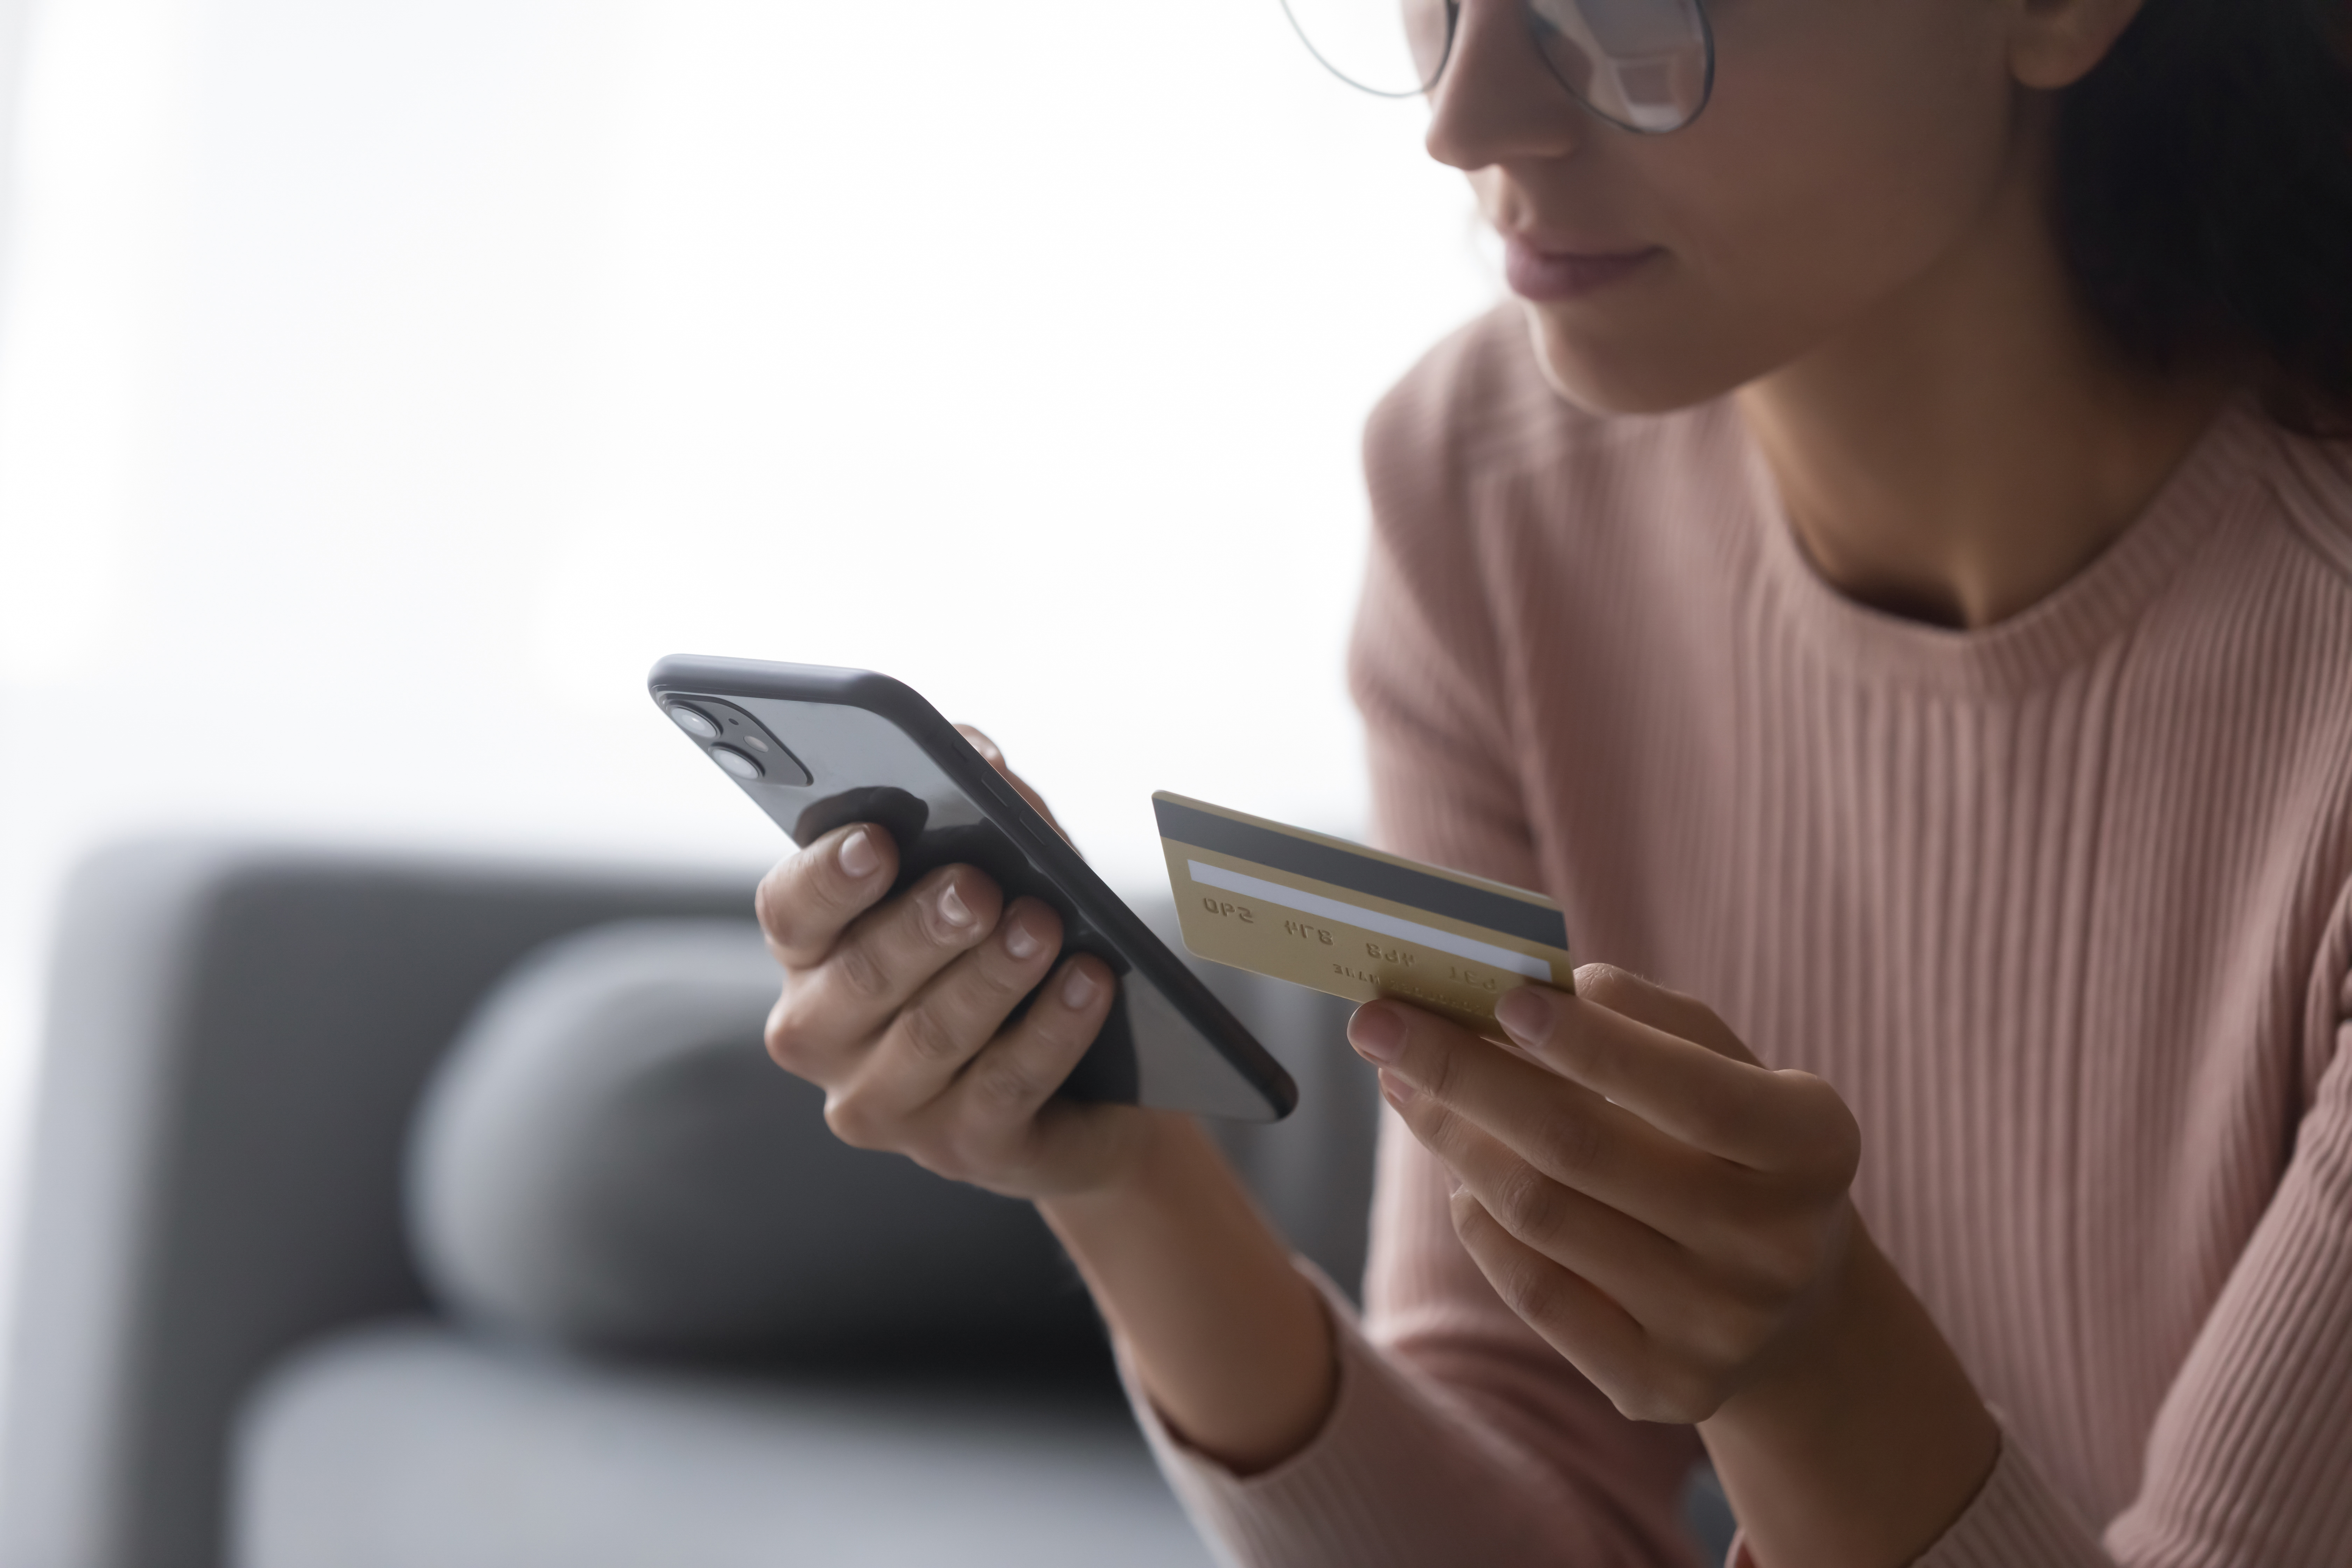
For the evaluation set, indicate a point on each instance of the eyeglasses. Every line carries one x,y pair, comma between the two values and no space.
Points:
1644,65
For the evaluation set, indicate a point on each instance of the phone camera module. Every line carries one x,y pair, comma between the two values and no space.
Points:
734,762
693,721
736,738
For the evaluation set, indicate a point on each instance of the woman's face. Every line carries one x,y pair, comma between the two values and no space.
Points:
1850,147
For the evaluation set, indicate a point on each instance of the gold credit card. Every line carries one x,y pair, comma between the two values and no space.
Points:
1323,912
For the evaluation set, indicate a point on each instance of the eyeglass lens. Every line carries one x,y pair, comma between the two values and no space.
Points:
1642,64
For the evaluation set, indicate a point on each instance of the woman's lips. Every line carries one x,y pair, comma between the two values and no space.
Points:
1544,276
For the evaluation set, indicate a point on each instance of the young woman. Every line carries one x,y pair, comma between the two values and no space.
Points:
1888,577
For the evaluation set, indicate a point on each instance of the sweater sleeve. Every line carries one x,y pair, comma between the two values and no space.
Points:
2252,1451
2248,1461
1458,1435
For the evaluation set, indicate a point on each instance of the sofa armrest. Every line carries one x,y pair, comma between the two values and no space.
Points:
235,1036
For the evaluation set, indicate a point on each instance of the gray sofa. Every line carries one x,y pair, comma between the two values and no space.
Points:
387,1213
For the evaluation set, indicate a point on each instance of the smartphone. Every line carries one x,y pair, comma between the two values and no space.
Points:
817,747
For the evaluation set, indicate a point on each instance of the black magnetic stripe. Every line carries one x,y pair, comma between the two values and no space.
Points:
1398,884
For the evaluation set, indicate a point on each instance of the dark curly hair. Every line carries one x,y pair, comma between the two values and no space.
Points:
2204,197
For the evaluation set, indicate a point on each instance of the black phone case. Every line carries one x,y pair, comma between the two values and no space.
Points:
817,747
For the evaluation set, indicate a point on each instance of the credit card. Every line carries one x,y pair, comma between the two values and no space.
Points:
1322,913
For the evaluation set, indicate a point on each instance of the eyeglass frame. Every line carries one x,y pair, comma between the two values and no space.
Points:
1527,15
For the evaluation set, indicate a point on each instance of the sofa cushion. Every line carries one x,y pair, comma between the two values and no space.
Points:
416,1446
607,1158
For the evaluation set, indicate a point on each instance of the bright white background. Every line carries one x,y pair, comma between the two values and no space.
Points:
384,385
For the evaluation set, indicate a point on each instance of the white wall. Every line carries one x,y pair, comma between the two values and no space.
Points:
12,55
382,386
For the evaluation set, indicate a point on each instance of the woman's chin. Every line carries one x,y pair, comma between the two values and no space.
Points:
1628,372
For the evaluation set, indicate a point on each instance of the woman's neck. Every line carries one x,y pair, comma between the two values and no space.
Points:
1974,443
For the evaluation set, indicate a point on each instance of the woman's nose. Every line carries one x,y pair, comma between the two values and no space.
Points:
1498,103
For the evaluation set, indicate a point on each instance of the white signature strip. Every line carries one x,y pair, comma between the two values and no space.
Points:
1370,920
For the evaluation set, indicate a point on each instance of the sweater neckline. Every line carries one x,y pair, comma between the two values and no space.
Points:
2056,633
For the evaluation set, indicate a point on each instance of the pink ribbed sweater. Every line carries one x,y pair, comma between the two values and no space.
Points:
2063,907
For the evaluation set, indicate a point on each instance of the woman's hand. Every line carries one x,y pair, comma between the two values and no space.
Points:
1662,1209
1672,1218
897,1009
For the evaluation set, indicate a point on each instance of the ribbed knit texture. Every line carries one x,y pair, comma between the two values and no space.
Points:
2063,908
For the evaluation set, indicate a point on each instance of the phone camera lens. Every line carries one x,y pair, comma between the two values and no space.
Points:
693,721
734,762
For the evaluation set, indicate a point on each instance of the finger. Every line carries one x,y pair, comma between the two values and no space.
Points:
1835,1143
988,750
1576,1318
1644,1271
994,1110
1645,1001
954,1015
805,900
831,1013
1556,1125
1729,1108
983,745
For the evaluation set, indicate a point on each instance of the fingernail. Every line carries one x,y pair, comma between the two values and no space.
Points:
1525,1015
953,908
1077,989
1400,1093
1377,1033
858,855
1021,940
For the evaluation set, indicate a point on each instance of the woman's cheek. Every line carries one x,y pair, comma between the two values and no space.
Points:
1830,171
